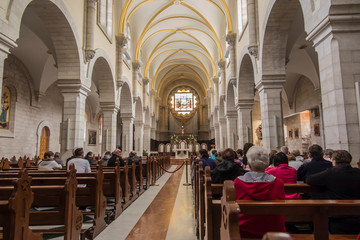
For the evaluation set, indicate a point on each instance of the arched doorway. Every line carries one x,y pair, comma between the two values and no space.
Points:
44,141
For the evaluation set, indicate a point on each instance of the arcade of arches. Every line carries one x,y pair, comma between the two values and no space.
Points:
100,74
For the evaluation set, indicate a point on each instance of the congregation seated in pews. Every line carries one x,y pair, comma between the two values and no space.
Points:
257,186
64,199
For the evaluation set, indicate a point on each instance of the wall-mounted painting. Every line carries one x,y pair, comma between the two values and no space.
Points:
296,133
316,129
291,134
92,137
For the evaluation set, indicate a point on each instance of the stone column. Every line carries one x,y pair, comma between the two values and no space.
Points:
231,121
251,13
121,42
271,115
244,110
231,40
90,29
73,114
217,135
5,45
109,126
145,86
135,74
335,42
127,134
222,90
152,98
216,92
139,137
146,138
222,132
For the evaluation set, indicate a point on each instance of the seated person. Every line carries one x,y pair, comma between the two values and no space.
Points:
284,172
48,163
218,159
258,185
58,159
132,155
227,169
106,158
239,157
89,156
341,182
213,154
204,158
112,161
81,165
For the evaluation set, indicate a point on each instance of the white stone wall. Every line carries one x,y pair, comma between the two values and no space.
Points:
28,118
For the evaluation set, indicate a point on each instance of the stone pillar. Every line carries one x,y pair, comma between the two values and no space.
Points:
90,29
271,115
334,41
135,74
121,42
152,97
251,13
231,40
244,110
216,92
109,126
145,85
222,133
139,137
147,135
231,121
5,45
73,118
217,135
222,65
127,134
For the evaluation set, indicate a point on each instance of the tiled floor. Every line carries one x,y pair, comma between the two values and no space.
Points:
163,212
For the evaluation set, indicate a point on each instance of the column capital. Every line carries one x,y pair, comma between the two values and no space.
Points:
121,41
145,81
138,123
231,39
73,86
127,117
231,114
136,66
109,107
215,80
119,84
274,81
244,104
253,50
221,64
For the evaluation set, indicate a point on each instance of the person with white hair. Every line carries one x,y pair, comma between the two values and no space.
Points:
258,185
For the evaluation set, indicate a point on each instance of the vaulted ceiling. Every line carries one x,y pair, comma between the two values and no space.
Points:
177,39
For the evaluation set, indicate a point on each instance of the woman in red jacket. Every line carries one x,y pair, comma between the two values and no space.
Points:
258,185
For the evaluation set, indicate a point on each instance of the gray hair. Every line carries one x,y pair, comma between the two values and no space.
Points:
284,149
258,158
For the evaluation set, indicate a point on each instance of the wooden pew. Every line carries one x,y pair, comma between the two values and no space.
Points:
61,194
14,212
146,171
319,210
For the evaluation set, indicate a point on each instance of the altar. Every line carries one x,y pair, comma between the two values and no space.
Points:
181,150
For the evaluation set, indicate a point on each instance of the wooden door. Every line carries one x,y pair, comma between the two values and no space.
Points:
44,141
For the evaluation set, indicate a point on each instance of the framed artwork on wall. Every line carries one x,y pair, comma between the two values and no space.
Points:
290,134
92,137
316,129
296,133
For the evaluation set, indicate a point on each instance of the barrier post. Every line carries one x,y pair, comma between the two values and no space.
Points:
186,172
154,172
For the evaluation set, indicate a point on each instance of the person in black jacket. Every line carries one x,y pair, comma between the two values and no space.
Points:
341,182
112,161
227,169
316,165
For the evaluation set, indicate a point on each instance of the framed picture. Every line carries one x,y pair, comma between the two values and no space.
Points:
291,134
296,133
92,137
316,129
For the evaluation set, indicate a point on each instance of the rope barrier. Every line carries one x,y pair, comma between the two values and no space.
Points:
170,171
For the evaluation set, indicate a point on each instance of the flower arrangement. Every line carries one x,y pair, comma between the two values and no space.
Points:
191,139
174,138
145,153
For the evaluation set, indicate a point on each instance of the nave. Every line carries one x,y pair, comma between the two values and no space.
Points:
162,212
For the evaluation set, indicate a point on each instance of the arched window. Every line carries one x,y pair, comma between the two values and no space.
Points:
105,13
5,108
242,15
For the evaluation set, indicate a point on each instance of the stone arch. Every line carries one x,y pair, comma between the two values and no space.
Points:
60,25
126,106
275,33
102,76
246,80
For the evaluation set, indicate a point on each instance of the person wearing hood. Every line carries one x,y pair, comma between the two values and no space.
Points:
227,169
48,163
259,186
89,156
106,158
